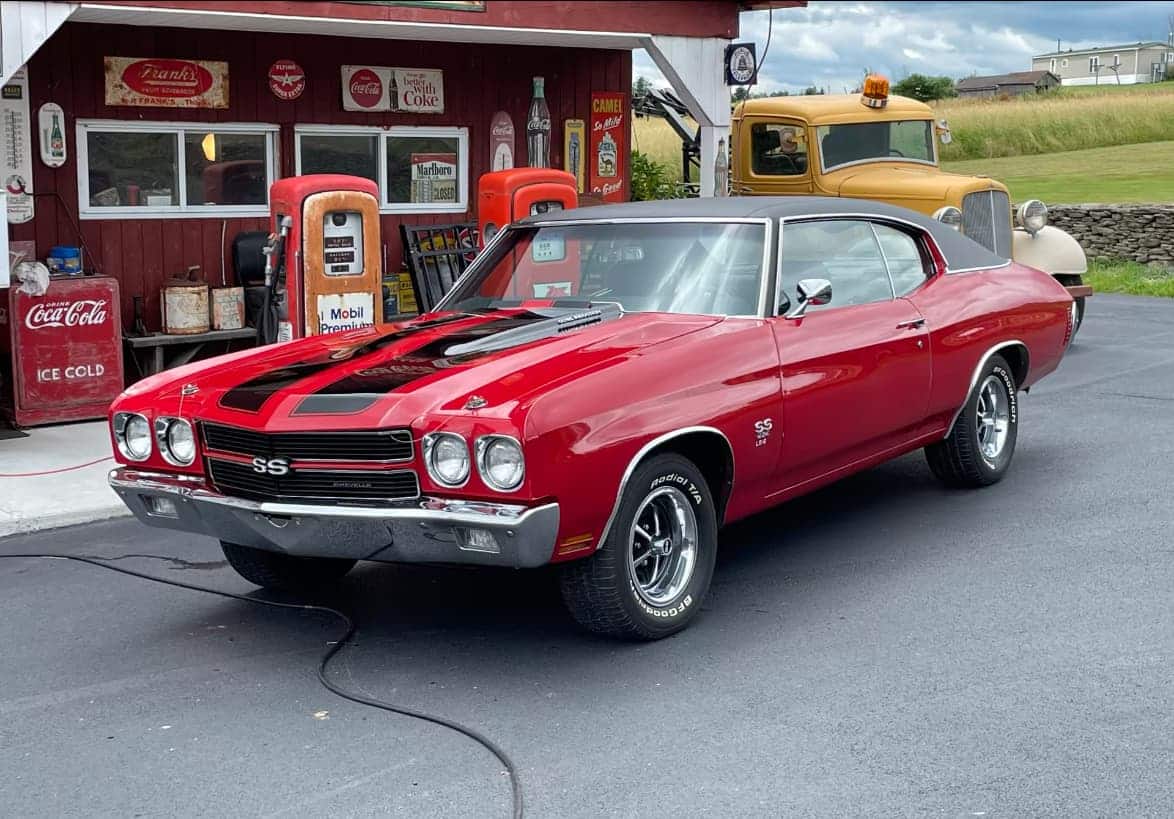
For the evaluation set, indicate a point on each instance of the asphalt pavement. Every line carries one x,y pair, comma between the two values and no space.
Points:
884,647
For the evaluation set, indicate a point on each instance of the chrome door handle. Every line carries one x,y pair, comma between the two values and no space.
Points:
912,324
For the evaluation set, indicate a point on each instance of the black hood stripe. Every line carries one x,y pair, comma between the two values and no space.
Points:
251,395
362,389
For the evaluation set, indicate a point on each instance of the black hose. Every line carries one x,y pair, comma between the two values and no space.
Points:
471,733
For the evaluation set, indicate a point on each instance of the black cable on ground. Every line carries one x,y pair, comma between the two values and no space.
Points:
471,733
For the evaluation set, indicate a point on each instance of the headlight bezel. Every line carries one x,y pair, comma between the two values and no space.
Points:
164,425
431,441
483,446
1039,219
955,220
120,424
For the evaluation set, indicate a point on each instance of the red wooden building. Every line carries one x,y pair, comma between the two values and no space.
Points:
155,188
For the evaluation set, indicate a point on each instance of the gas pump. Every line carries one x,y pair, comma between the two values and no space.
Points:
323,271
506,196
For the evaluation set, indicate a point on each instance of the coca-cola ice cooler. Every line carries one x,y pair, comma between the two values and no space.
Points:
66,349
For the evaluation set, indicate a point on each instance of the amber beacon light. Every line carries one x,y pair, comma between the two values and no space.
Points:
876,91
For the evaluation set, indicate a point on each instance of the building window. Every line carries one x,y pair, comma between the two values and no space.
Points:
418,170
1064,63
1116,60
1052,67
169,170
1094,64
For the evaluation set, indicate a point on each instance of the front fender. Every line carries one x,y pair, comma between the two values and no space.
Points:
1050,250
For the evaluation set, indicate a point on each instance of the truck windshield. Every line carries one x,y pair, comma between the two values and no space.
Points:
908,140
713,268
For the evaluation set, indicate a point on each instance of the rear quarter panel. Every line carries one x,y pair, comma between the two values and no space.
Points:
969,313
582,434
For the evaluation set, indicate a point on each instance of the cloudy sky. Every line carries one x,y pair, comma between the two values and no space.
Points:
830,44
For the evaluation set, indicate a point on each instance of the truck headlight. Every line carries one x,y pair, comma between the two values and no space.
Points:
446,456
132,434
949,215
500,462
1033,216
177,442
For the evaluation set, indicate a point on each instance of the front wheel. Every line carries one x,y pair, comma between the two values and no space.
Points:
273,570
649,577
978,450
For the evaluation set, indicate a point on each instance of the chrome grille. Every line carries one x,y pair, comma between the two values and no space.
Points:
241,480
986,218
383,446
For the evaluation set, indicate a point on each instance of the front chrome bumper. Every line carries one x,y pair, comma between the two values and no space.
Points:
427,530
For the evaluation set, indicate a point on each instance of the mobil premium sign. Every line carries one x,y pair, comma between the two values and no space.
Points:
160,82
376,88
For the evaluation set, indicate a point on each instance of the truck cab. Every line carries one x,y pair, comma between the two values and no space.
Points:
876,146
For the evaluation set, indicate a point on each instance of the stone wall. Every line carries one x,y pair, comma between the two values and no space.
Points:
1141,233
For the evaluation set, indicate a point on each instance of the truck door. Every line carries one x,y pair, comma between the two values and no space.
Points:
770,157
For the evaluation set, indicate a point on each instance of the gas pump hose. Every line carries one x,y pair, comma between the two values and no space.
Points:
349,632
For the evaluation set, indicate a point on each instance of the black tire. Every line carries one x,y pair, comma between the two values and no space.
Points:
273,570
1079,316
601,591
960,460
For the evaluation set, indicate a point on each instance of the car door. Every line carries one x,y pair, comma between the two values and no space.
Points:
855,372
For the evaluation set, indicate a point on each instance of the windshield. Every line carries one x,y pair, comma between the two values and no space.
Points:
910,139
711,268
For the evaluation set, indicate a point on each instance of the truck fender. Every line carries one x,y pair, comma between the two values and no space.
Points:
1050,250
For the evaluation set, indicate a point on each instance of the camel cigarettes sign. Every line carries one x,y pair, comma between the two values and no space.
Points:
166,83
375,88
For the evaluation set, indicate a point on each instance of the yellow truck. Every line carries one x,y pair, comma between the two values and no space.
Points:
876,146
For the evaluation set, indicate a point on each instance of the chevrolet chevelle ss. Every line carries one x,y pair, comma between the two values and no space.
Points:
603,390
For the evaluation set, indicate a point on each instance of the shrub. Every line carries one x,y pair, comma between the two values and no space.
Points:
651,180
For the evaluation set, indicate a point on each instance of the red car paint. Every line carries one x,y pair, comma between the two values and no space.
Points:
842,389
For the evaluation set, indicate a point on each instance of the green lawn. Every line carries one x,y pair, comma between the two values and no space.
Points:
1123,173
1129,277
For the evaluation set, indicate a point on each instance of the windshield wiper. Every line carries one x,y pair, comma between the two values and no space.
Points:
555,324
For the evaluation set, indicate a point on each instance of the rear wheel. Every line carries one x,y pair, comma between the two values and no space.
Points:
649,577
978,450
273,570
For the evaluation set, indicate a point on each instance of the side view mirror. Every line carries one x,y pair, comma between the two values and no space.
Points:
812,292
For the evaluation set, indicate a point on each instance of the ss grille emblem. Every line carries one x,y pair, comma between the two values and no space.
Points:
271,466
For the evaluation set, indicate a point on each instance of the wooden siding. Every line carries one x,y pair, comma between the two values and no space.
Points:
142,253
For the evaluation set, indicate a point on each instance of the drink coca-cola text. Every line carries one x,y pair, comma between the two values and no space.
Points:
81,313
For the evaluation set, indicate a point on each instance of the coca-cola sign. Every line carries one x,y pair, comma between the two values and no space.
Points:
79,313
166,82
378,88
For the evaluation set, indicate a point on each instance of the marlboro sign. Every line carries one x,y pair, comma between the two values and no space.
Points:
434,177
166,83
376,88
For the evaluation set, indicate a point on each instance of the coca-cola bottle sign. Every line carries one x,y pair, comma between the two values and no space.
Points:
173,79
80,313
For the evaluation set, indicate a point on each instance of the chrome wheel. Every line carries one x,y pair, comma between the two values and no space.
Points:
993,418
662,546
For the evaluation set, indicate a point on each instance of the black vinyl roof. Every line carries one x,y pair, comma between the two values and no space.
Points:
961,253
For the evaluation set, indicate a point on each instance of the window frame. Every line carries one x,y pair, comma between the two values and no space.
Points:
86,211
918,234
461,134
824,169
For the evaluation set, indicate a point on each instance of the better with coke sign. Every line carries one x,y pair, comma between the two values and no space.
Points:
378,88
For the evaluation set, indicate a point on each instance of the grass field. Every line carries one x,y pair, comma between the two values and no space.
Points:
1124,173
1131,278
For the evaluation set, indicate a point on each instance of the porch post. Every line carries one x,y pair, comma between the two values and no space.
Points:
693,66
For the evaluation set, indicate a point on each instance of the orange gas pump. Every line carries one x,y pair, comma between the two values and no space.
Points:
506,196
323,271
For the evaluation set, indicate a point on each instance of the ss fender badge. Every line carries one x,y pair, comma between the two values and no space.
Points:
271,466
762,431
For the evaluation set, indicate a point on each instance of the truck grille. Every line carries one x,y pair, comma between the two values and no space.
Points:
986,218
384,446
241,480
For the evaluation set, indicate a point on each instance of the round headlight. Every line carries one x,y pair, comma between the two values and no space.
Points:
949,215
181,443
135,436
1033,216
500,462
447,457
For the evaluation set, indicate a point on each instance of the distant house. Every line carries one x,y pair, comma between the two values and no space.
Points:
1113,65
1021,82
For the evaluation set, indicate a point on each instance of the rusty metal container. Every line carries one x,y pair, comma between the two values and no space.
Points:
228,308
185,307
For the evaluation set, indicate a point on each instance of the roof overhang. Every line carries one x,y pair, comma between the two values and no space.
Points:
148,16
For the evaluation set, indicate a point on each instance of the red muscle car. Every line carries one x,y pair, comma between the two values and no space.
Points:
603,390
